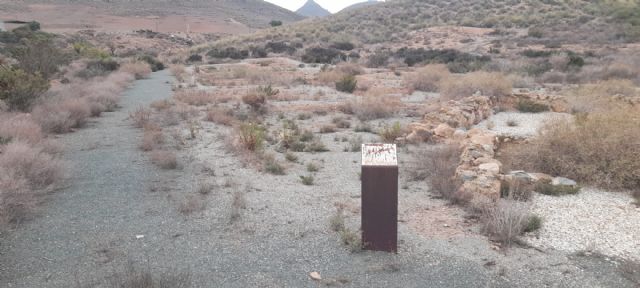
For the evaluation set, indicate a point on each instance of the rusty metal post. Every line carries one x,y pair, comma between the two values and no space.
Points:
379,197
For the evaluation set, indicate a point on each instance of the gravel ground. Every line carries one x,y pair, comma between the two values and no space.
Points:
592,220
120,210
526,124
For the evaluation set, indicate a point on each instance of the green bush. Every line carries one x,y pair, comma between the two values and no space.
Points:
153,62
530,106
275,23
19,89
534,223
96,68
347,84
38,55
323,55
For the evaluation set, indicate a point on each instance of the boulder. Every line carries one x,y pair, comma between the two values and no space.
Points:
561,181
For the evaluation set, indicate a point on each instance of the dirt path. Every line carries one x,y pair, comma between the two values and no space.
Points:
106,206
88,231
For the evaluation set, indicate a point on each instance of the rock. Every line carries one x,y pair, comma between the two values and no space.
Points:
419,134
443,130
491,167
561,181
315,276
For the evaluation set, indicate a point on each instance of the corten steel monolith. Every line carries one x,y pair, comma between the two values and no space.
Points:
379,197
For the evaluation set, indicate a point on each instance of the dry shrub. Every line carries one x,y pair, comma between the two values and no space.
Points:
441,163
600,149
164,159
349,68
251,136
152,139
133,277
140,117
506,220
222,116
427,78
192,203
372,107
162,104
598,97
490,84
20,127
16,199
194,97
61,115
179,71
342,70
68,106
138,69
37,168
238,203
255,100
620,71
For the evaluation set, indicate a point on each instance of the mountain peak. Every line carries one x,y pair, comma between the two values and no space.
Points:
312,9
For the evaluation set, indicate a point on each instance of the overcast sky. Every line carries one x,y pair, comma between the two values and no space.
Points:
331,5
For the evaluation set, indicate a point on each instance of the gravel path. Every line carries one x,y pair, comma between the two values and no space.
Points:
120,209
519,125
592,220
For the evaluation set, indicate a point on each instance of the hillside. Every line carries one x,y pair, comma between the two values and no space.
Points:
360,5
223,16
564,21
312,9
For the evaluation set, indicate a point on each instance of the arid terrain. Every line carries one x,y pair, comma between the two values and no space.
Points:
174,158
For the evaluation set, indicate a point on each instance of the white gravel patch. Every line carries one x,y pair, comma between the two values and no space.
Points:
526,124
592,220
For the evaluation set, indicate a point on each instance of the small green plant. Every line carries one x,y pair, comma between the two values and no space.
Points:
363,127
251,136
351,239
347,84
355,144
311,167
556,190
272,166
275,23
534,223
336,221
267,91
307,180
291,157
389,134
315,145
530,106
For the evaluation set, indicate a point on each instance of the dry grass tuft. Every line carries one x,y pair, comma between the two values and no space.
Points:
427,78
194,97
164,159
139,70
22,161
506,220
20,127
222,116
152,139
490,84
140,117
600,149
372,107
442,162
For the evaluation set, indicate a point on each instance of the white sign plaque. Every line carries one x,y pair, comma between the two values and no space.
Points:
379,155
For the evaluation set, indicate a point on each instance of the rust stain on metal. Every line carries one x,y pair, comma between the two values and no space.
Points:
379,197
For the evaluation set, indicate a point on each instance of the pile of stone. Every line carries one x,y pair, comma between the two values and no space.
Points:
442,123
555,103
